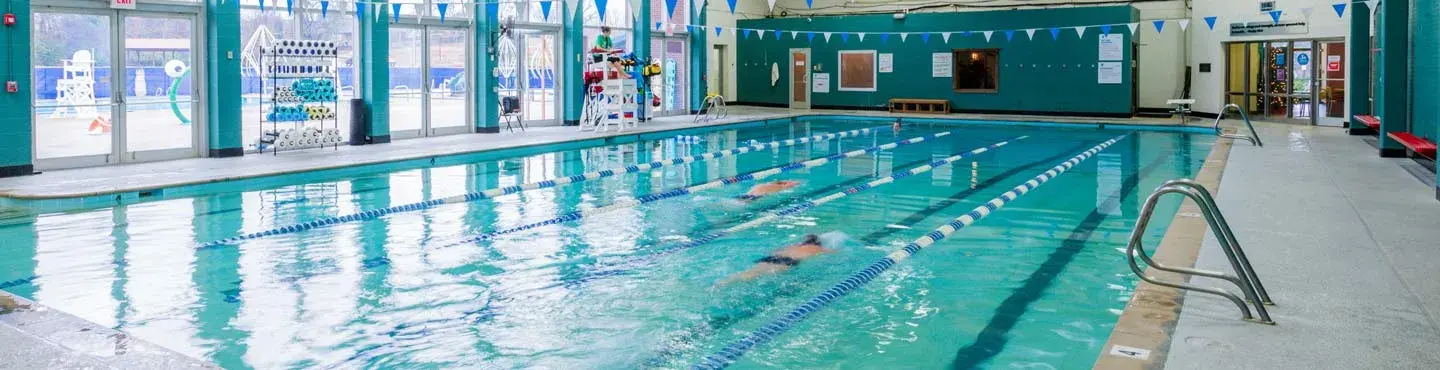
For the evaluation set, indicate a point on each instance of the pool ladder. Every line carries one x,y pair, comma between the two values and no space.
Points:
1253,138
1244,277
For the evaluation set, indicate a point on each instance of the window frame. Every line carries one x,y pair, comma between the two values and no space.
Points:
874,71
955,56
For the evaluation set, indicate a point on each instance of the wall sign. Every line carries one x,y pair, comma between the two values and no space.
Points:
1303,59
1266,28
1112,47
887,63
1110,73
822,83
942,65
122,4
1332,63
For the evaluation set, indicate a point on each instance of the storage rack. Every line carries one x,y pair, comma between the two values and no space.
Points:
303,81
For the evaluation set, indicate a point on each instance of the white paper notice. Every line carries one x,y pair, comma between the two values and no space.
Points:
941,65
1110,73
887,63
822,83
1112,47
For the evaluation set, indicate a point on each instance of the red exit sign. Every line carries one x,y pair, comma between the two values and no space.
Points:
122,4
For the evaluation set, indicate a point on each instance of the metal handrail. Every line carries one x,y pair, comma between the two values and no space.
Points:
1254,138
713,108
1245,277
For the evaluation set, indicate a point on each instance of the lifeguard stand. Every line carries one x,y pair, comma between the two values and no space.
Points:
77,90
616,101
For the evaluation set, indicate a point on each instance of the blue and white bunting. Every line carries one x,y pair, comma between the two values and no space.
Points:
844,38
446,6
1030,34
1009,35
884,37
827,37
945,36
860,36
290,7
324,8
925,38
545,8
1275,15
1054,33
1210,22
395,11
1184,24
1105,29
1159,25
262,6
718,29
988,34
809,36
600,7
669,7
732,5
1339,9
1134,27
1080,31
904,35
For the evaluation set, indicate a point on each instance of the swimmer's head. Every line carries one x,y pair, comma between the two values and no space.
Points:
830,240
787,183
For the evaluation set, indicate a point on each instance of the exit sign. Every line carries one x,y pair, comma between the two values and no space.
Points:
122,4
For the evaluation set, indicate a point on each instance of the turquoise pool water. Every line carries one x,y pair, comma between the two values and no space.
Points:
1038,284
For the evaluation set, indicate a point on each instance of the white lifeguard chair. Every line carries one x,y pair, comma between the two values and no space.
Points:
618,102
77,90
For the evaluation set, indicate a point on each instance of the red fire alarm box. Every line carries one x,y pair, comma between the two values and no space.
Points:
12,87
9,19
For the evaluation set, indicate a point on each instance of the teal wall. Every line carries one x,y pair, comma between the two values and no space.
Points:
1040,75
1392,92
1425,118
487,100
1359,63
374,46
222,33
15,114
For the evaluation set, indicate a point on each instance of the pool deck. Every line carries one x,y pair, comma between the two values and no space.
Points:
1344,241
35,337
91,181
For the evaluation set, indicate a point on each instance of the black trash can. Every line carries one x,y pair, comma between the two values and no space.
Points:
359,122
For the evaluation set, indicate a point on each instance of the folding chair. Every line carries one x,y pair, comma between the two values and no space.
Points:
510,112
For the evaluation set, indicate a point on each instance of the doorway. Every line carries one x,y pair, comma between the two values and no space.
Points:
672,85
429,81
1295,81
717,68
527,70
115,86
799,78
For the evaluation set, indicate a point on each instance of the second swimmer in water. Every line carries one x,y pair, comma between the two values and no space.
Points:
767,189
790,256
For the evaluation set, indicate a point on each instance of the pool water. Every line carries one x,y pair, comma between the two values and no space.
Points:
1038,284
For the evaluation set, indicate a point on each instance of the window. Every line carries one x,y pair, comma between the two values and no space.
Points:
857,70
976,70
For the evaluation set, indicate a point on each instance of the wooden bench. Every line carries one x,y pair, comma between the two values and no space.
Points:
1416,144
938,106
1371,121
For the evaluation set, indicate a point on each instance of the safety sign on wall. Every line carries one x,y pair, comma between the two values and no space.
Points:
942,65
1332,63
887,63
1110,73
822,83
1112,47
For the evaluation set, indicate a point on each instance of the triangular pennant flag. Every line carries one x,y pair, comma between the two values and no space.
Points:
925,37
988,34
1210,21
810,36
945,36
861,36
779,34
1009,35
601,4
669,7
395,11
1275,15
809,3
1370,4
290,6
718,29
698,9
1105,29
747,33
1184,24
844,37
262,6
1054,33
761,34
772,4
903,35
324,8
732,6
443,6
1306,11
1339,10
794,34
1030,34
1134,26
658,25
735,32
360,12
1080,31
884,37
1159,25
545,8
827,37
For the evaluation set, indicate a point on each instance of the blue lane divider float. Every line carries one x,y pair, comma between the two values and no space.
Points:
768,332
469,197
757,175
619,268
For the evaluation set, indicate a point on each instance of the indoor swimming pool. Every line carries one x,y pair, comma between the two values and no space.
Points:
619,269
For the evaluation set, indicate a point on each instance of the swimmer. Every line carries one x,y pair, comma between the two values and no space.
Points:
788,257
768,188
896,126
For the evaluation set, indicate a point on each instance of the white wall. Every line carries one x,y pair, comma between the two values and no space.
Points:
718,14
1207,46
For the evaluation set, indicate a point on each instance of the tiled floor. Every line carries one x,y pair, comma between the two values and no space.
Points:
1346,244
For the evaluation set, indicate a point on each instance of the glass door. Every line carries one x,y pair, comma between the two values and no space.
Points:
448,98
1277,80
1302,81
113,87
671,87
539,98
1332,84
407,82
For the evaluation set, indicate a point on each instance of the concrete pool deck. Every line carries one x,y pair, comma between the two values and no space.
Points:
1343,240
